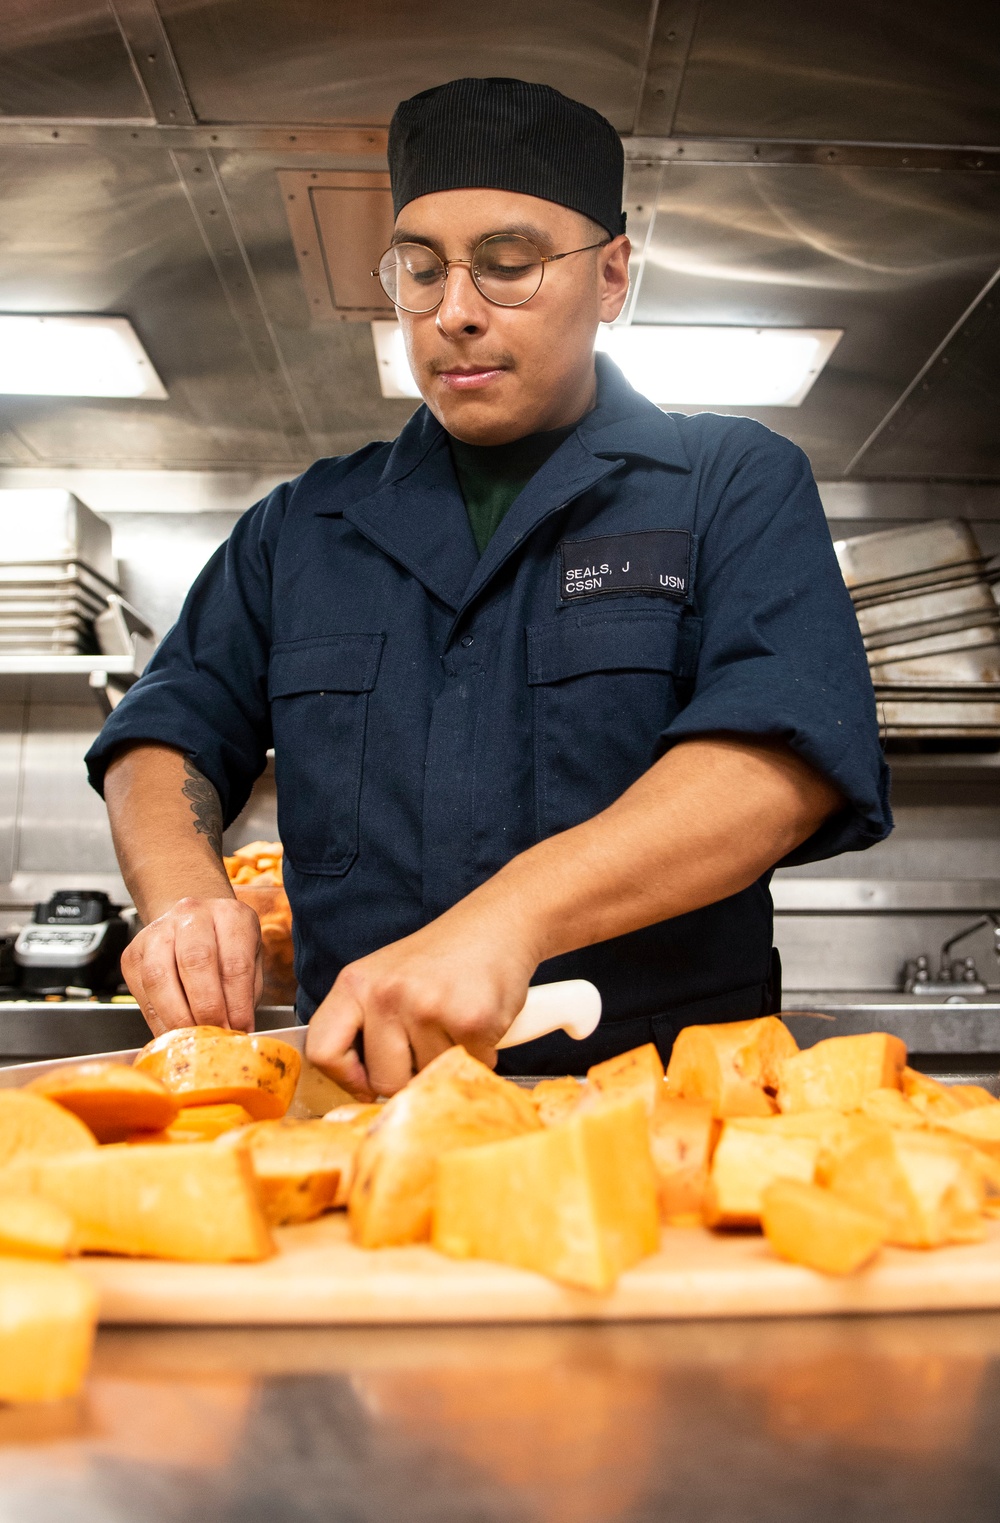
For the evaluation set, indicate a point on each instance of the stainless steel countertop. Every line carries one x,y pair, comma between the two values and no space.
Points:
849,1420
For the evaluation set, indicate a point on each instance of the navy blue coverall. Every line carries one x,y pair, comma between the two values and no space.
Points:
434,712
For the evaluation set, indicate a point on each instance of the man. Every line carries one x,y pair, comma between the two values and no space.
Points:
553,681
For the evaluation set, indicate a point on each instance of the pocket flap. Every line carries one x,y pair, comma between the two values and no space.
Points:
636,642
334,664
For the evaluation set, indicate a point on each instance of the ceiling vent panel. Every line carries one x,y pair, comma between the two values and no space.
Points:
341,224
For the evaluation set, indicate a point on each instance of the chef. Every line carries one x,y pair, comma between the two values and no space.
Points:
554,680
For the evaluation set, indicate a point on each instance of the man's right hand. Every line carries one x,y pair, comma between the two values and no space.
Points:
198,964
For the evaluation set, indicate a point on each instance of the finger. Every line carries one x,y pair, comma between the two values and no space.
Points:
165,1004
238,940
196,952
330,1042
132,974
388,1055
428,1040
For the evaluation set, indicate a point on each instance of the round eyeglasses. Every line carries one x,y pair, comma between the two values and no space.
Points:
506,268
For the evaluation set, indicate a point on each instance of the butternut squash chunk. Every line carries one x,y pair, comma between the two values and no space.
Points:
841,1071
682,1135
575,1201
556,1099
808,1225
981,1127
199,1123
734,1065
638,1072
206,1065
203,1123
297,1164
48,1316
197,1202
30,1124
454,1102
893,1108
926,1188
34,1228
973,1096
111,1099
353,1123
750,1155
929,1096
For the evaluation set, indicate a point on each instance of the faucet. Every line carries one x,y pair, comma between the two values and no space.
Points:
955,978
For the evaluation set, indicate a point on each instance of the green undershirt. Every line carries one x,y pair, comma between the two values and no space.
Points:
492,475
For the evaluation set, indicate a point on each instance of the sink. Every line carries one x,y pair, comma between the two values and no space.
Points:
958,1026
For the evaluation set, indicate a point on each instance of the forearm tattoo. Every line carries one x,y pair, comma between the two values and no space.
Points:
205,806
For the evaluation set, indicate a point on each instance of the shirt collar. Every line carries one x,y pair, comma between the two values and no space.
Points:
623,423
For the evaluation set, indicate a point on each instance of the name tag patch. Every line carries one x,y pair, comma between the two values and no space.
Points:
651,560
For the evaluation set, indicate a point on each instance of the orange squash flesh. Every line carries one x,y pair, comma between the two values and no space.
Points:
206,1065
808,1225
638,1072
575,1201
454,1102
980,1127
926,1188
892,1107
298,1165
682,1135
750,1155
33,1228
32,1125
841,1071
353,1122
929,1096
556,1099
195,1203
48,1316
203,1123
111,1099
733,1065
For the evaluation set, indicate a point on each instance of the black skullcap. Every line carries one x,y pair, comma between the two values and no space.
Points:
506,134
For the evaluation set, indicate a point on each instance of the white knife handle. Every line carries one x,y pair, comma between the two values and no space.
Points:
573,1006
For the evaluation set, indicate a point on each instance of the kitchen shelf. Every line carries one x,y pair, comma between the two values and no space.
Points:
71,678
945,766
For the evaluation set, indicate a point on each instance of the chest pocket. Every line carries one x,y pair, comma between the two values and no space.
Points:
319,712
605,686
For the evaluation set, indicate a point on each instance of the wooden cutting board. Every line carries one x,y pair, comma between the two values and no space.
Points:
319,1276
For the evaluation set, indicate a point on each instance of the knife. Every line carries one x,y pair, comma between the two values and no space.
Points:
573,1005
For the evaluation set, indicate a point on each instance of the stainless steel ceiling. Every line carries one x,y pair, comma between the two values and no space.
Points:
789,164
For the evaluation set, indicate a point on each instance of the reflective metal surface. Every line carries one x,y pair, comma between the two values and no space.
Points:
31,1032
66,60
336,61
840,171
892,258
846,1420
892,72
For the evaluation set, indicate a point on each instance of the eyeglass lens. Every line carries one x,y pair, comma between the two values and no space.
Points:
507,270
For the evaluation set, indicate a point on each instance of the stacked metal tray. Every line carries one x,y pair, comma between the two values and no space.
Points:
57,572
929,616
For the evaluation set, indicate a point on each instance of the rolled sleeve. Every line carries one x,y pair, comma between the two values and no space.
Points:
205,690
781,655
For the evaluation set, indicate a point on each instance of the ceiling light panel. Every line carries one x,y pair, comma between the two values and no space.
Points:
675,364
56,356
394,375
678,365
